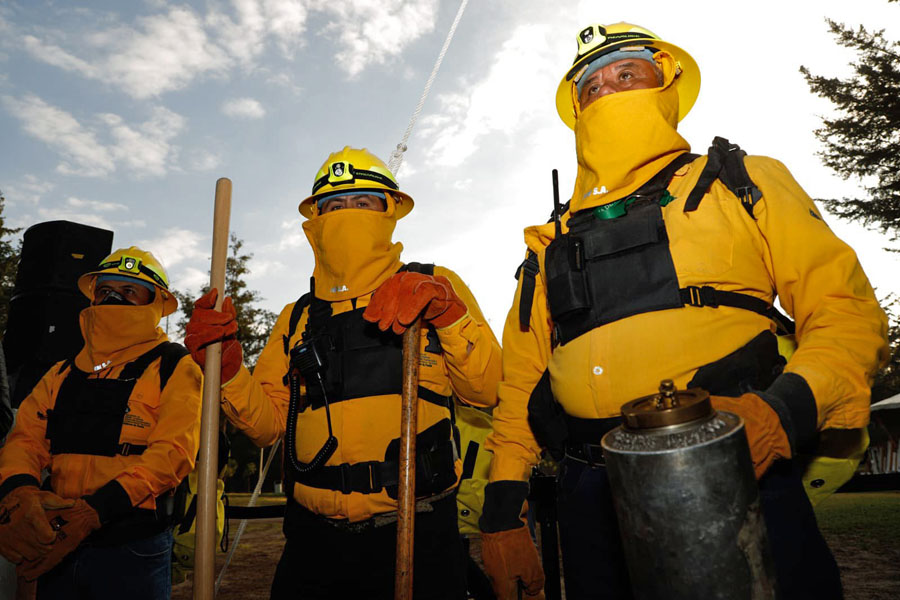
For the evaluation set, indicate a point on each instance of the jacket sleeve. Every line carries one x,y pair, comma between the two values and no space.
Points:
173,443
257,404
525,358
471,350
27,450
841,329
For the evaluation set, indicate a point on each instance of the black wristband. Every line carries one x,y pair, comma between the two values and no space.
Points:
502,508
793,400
16,481
110,501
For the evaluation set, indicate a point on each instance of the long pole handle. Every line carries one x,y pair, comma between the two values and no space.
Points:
406,496
205,541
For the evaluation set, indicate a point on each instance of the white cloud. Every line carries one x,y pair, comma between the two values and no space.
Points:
88,216
56,56
292,235
168,50
374,31
189,278
176,245
94,205
145,148
163,52
29,191
513,92
245,108
202,160
81,151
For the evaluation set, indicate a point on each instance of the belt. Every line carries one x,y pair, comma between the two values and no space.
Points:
295,514
371,476
139,524
583,443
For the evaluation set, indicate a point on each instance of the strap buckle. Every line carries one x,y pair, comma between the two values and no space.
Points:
701,296
346,478
125,449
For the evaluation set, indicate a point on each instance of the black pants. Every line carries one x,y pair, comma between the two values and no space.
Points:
593,559
322,561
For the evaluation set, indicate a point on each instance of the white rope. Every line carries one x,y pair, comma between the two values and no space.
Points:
397,155
243,524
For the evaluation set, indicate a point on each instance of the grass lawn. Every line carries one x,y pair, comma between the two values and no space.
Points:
874,515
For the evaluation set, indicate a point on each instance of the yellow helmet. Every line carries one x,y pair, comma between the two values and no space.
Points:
137,264
357,170
596,40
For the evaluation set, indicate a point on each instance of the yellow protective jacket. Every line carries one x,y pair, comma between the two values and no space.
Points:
785,249
468,367
167,422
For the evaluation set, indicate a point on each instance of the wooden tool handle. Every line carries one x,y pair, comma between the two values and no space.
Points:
406,496
205,541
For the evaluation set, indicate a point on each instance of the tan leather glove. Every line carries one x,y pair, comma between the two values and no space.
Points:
510,560
510,557
71,525
24,531
765,434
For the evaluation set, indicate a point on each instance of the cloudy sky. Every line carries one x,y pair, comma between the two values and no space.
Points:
123,115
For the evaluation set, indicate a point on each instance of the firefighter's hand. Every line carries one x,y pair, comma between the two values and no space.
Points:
208,326
71,526
24,531
765,434
398,302
510,557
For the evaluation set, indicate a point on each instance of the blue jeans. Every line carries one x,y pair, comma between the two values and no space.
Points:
136,570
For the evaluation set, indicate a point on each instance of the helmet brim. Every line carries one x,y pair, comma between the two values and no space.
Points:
86,286
403,201
687,84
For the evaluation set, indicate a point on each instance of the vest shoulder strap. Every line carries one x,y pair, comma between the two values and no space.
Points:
296,312
307,299
169,354
725,162
415,267
530,267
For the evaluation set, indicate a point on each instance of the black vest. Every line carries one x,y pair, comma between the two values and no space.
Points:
88,413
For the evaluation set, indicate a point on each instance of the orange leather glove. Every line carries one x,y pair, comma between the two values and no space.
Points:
207,326
510,557
765,434
398,302
72,525
24,531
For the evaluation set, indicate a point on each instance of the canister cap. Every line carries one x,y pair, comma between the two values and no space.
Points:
669,406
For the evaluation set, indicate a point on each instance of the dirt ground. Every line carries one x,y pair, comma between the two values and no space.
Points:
870,571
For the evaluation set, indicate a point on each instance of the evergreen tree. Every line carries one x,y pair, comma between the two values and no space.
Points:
9,264
254,326
254,323
862,140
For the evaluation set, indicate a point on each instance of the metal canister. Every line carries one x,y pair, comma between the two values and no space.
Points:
687,500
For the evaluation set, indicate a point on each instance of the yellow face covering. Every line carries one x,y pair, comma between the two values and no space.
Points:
114,334
623,139
353,249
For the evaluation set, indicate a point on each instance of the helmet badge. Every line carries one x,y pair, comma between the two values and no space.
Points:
129,264
590,38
